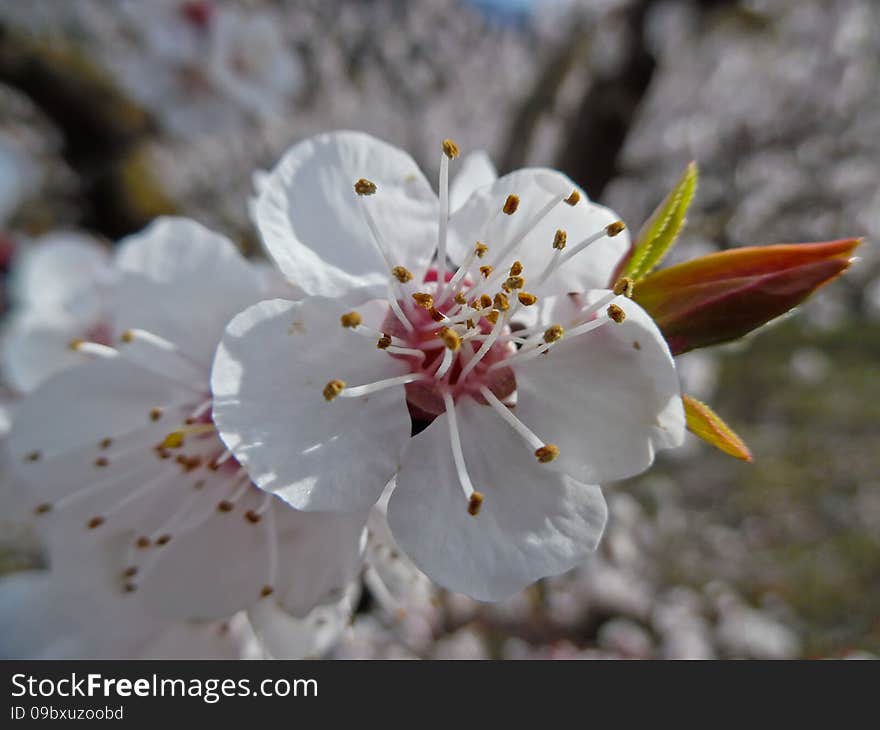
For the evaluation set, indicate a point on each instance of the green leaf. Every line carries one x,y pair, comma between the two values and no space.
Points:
661,230
703,422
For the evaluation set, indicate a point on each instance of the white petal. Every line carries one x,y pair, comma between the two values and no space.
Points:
474,172
534,521
608,398
268,380
223,564
184,283
284,636
60,268
312,224
592,268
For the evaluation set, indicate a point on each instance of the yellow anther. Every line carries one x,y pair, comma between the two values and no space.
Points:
516,268
423,300
526,299
101,462
384,342
475,503
616,313
76,344
95,522
554,333
105,443
127,336
402,274
493,316
515,282
547,453
460,298
511,204
486,271
560,239
163,539
475,304
155,414
470,324
142,542
252,516
266,591
333,388
350,319
625,286
43,508
364,187
225,506
173,440
613,229
501,302
450,149
481,249
574,198
450,338
485,301
436,314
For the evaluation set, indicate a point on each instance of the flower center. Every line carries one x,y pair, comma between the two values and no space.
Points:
456,330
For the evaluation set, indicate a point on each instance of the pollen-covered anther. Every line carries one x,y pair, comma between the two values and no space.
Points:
480,249
95,522
554,333
101,462
424,300
129,587
350,319
143,542
526,299
436,314
560,239
266,591
105,443
365,187
547,453
163,539
43,508
225,506
253,516
624,286
486,271
460,298
613,229
33,456
515,282
155,414
384,342
173,440
516,268
574,198
450,338
333,388
475,503
76,344
485,301
402,274
493,316
511,204
130,572
616,313
127,336
501,302
450,149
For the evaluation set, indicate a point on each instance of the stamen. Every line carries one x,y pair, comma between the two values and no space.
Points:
511,204
402,274
426,301
526,299
450,149
384,342
486,271
460,298
333,389
560,239
395,307
574,198
501,302
350,319
484,348
480,250
516,268
492,317
356,391
485,301
475,499
624,286
554,333
450,338
515,282
93,349
613,229
546,454
407,351
365,187
616,313
512,421
445,363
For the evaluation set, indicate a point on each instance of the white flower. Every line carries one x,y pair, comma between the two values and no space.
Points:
316,400
121,450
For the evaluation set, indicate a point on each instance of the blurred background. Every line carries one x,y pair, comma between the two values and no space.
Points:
114,112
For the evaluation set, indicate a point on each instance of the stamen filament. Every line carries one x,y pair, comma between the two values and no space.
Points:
457,455
356,391
484,348
511,420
